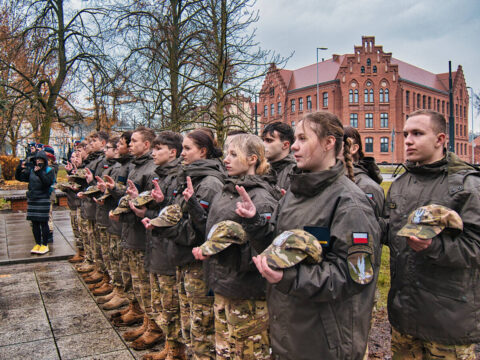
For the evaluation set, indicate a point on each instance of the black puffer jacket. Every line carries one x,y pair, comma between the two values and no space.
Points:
231,272
39,182
94,162
101,214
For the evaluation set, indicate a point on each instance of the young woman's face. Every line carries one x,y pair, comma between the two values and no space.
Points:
161,154
122,147
235,162
308,149
191,152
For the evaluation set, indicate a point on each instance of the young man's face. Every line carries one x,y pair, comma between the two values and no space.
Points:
138,146
122,147
162,154
422,144
97,144
274,147
110,151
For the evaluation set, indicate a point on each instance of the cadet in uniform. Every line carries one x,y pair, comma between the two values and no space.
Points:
241,315
278,138
320,308
434,299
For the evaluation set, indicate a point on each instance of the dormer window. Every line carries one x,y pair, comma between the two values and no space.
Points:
369,62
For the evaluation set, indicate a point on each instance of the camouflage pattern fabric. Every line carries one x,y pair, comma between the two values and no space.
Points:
165,304
406,347
103,249
140,280
168,216
241,329
114,256
184,307
64,186
200,318
80,174
222,235
143,199
87,232
75,228
359,262
426,222
92,190
292,247
123,206
125,272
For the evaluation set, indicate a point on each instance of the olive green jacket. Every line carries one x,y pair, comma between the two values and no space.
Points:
435,293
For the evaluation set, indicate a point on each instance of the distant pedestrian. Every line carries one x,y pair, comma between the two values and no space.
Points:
40,179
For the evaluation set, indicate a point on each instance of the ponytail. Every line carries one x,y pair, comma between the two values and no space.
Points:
347,156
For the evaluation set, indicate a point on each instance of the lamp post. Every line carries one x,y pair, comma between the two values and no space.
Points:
473,144
319,48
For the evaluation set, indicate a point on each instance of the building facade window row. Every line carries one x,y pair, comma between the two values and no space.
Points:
368,98
369,123
384,144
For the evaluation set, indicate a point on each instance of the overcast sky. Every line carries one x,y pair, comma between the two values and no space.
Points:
424,33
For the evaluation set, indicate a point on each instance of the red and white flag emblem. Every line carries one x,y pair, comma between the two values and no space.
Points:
360,238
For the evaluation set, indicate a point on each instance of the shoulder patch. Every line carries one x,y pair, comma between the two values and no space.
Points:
205,204
359,261
370,196
392,205
359,238
267,216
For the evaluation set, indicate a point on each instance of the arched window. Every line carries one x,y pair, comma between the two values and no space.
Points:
365,96
380,98
350,96
371,95
362,69
375,69
386,96
355,96
369,62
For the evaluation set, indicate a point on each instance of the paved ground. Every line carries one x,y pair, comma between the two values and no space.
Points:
46,310
16,239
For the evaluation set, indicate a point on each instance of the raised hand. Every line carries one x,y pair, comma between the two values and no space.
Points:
101,184
157,193
245,208
272,276
132,189
88,175
109,182
188,192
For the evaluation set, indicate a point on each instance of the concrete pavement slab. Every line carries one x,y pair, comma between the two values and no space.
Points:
116,355
34,350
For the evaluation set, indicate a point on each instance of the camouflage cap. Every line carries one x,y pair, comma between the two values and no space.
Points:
63,186
123,205
79,174
92,190
428,221
142,199
291,247
104,196
170,215
222,235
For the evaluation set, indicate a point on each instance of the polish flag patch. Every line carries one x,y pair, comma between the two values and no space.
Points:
370,196
267,216
204,204
360,238
175,192
105,166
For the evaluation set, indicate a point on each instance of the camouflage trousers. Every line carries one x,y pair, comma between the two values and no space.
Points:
241,329
102,259
113,266
196,311
50,222
125,273
74,215
87,231
408,347
140,280
166,307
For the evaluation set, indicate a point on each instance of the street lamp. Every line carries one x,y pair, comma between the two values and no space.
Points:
319,48
471,101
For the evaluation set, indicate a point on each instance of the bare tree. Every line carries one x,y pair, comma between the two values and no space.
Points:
231,62
61,40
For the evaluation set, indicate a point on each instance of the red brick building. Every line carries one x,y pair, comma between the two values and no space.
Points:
369,90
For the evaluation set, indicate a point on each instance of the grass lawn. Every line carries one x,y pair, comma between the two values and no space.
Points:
383,284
